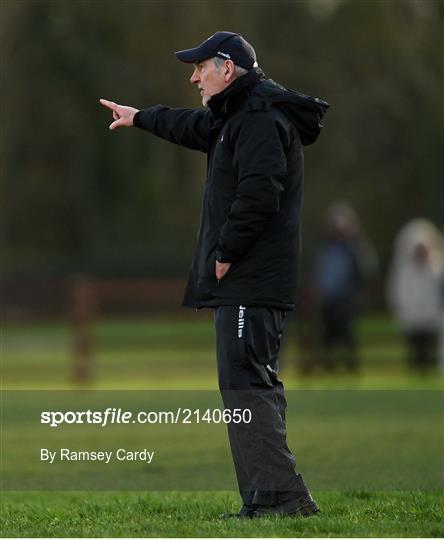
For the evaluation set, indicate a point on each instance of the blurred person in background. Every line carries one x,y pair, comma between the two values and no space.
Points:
415,291
344,261
252,130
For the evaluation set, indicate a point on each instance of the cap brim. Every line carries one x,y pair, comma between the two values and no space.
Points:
191,56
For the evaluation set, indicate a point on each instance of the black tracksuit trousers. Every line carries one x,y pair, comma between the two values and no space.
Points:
247,342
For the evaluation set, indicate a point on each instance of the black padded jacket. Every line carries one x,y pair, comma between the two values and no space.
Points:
252,133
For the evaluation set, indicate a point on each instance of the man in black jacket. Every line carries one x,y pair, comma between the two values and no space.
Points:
246,260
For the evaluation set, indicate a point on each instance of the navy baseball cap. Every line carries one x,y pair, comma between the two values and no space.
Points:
226,45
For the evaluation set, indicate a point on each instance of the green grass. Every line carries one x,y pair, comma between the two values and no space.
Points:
163,353
187,514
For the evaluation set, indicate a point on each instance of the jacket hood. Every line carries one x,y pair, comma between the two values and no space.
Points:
305,112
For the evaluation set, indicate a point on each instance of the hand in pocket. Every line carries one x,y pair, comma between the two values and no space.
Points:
221,269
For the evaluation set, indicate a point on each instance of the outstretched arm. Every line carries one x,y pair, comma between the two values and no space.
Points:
187,127
123,115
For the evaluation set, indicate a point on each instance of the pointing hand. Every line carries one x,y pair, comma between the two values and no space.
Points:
123,115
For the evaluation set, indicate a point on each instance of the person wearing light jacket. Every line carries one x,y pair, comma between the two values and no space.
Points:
415,290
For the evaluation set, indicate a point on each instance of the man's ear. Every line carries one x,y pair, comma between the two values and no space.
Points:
229,69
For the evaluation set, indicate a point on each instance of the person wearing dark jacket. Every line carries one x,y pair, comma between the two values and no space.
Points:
245,265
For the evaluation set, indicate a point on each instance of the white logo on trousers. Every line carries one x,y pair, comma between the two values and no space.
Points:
241,321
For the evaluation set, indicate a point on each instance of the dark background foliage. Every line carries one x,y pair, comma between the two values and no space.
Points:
76,197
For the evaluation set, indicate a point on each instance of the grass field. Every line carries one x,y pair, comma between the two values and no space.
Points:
179,355
109,514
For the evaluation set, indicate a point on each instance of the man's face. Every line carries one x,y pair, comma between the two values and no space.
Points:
209,79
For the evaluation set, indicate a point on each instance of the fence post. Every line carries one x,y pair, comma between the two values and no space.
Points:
84,307
306,328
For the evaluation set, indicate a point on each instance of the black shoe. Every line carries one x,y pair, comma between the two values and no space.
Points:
303,505
246,511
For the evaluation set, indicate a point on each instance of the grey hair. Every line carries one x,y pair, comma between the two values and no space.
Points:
238,71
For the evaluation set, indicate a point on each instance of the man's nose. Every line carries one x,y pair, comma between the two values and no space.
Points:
194,77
